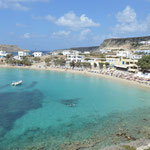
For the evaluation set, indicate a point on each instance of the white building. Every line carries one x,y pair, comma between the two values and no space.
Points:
70,52
55,53
86,52
75,58
74,52
17,57
104,51
136,57
125,54
66,52
3,53
23,53
145,42
128,54
37,54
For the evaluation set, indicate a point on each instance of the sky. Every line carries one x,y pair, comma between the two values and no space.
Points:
58,24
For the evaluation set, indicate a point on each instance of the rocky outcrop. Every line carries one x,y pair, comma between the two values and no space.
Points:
132,43
11,48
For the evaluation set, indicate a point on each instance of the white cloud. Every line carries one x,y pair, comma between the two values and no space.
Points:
84,34
27,35
71,20
61,33
128,15
17,4
128,23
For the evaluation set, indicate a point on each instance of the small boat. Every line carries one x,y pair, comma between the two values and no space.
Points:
16,83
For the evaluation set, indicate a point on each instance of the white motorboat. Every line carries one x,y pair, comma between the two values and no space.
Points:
16,83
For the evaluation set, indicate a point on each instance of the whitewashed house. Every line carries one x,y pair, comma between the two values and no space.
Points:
37,54
17,57
3,54
74,52
66,52
104,51
23,53
145,42
125,54
75,58
129,55
55,53
136,57
86,53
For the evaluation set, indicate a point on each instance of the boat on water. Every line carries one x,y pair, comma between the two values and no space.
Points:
16,83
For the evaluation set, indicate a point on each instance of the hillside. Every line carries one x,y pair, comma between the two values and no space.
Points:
82,49
10,48
132,43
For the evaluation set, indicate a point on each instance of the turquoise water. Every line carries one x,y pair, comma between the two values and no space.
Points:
56,111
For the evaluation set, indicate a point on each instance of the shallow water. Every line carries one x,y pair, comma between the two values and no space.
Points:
55,111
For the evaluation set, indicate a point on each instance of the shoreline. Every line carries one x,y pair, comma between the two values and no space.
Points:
86,73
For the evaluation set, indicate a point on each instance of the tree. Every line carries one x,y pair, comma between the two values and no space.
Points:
87,59
144,63
78,64
60,53
101,65
86,65
106,64
9,56
26,62
72,64
11,61
95,65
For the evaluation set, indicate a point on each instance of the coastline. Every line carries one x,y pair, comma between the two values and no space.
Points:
85,72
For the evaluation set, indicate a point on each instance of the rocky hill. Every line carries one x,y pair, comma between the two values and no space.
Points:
81,49
132,43
10,48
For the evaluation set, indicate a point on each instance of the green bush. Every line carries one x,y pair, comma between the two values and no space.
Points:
37,59
47,60
60,62
144,63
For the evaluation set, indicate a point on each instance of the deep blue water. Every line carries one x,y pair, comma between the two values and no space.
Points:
55,110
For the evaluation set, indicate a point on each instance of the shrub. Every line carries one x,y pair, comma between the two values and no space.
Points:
37,59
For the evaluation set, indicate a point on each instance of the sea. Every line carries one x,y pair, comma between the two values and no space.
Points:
66,111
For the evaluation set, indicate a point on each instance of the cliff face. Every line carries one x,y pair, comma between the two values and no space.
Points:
126,43
10,48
